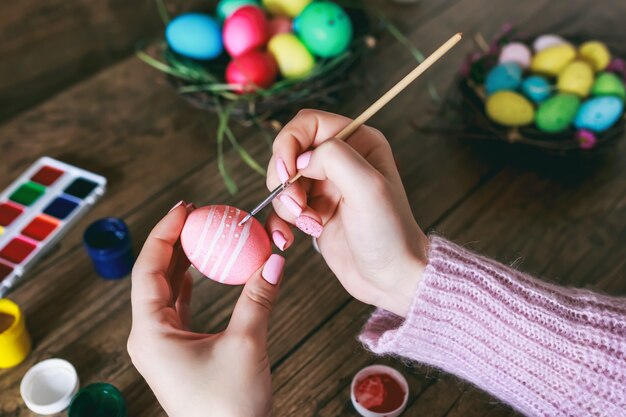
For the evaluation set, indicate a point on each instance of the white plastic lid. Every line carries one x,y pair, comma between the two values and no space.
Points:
379,369
48,387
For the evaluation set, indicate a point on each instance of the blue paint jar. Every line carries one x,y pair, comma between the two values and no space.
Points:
108,244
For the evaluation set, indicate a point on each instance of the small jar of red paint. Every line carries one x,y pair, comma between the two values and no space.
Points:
379,391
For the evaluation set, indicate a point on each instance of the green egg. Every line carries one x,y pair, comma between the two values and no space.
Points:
227,7
557,113
324,28
608,84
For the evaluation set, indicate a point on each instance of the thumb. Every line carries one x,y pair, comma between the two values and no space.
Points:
252,312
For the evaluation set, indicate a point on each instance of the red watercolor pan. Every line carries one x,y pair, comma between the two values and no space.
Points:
9,212
40,228
17,250
47,175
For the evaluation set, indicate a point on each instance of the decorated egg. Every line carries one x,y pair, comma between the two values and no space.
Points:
553,59
292,57
507,76
516,52
599,113
608,84
227,7
324,28
536,88
252,70
557,113
291,8
279,24
221,249
509,109
195,35
545,41
245,30
576,78
586,139
596,53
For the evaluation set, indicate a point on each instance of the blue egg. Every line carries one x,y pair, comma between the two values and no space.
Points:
599,114
507,76
195,35
536,88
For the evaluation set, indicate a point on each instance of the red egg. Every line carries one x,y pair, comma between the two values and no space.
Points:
245,30
279,24
252,70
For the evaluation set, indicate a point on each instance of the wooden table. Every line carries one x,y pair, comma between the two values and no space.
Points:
560,219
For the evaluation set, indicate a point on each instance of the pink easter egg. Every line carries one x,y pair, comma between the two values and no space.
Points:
546,41
221,249
252,70
279,24
245,30
516,52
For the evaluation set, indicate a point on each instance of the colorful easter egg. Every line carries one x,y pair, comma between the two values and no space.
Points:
291,8
292,57
586,139
557,113
536,88
596,53
545,41
576,78
516,52
608,84
324,28
599,113
245,30
252,70
227,7
195,35
509,109
553,59
278,25
507,76
220,248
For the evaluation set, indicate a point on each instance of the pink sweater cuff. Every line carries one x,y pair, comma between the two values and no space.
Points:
543,349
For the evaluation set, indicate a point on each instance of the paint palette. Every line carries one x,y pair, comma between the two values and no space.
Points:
37,209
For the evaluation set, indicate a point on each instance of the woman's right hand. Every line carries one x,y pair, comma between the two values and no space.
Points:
370,239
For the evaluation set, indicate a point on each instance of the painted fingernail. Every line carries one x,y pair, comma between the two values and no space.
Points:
291,205
303,160
176,206
273,269
309,225
316,246
279,239
281,169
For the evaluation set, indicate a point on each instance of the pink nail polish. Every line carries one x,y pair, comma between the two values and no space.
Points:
279,239
291,204
309,225
281,169
176,206
303,160
273,269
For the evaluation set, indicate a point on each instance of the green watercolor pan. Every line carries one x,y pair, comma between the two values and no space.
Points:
37,209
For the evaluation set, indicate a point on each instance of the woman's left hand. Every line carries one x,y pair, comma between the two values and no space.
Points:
195,374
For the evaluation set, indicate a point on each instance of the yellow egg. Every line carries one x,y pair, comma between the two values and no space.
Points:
552,60
510,109
596,53
294,60
576,78
291,8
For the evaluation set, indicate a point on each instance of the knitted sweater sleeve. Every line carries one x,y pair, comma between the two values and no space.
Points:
545,350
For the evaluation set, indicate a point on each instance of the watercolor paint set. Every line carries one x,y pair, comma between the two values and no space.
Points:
37,209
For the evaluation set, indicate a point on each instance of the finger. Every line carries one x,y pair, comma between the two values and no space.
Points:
183,302
180,263
308,129
336,161
150,287
279,230
252,312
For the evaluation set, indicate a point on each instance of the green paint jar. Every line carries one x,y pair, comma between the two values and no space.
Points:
98,400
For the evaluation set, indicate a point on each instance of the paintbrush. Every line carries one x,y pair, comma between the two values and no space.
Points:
368,113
